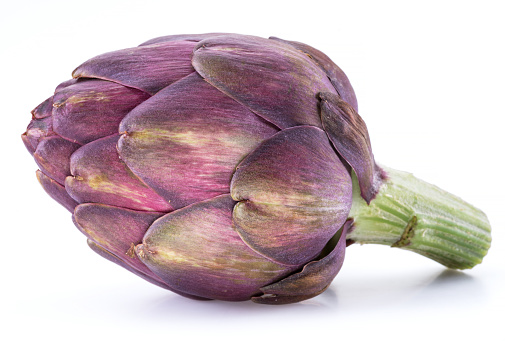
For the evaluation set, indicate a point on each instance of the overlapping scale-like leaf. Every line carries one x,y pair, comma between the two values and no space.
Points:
186,141
313,279
334,73
294,195
67,83
100,176
274,79
27,143
56,191
44,109
116,229
88,110
37,130
197,250
53,157
149,68
349,134
151,278
116,260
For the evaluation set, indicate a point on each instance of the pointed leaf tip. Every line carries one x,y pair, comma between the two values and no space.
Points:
91,109
56,191
315,277
337,77
349,135
151,278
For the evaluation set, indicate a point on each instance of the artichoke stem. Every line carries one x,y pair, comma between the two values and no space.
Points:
411,214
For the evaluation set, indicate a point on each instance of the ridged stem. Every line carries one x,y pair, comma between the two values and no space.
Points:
414,215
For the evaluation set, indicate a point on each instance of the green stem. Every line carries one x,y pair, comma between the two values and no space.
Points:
411,214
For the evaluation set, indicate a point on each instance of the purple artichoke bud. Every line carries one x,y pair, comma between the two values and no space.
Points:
230,167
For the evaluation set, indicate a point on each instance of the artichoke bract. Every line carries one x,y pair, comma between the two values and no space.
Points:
233,167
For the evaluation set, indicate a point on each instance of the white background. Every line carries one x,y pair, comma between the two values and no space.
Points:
429,78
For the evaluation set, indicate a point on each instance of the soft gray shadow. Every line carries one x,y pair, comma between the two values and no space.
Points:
173,308
449,276
432,290
401,290
452,287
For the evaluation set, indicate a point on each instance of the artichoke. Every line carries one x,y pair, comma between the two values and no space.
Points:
232,167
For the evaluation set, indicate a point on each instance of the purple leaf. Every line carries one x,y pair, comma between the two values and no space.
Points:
53,157
88,110
150,278
313,279
196,249
149,68
275,80
44,109
334,73
294,195
348,133
36,130
186,140
56,191
100,176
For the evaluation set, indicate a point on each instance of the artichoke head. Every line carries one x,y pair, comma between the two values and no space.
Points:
217,166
